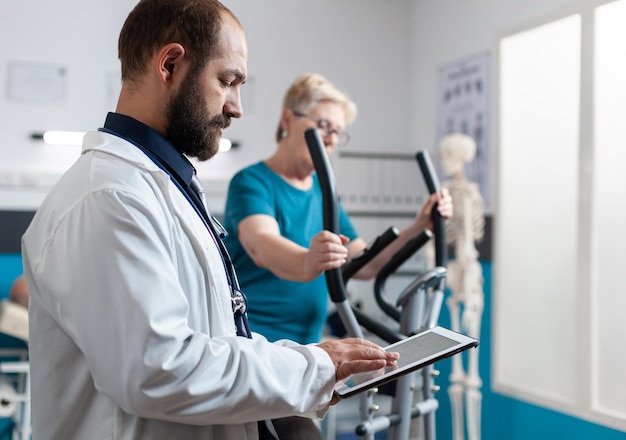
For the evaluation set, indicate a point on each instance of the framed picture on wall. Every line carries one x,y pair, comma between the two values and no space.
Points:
37,82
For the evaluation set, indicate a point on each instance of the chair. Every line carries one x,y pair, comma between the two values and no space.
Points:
14,370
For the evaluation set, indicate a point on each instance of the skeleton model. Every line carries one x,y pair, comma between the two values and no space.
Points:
464,279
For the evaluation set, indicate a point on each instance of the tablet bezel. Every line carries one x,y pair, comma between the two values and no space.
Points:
464,342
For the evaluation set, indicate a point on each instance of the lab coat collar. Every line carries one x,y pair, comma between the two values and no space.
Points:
153,143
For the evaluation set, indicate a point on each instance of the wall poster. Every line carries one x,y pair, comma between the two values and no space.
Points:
464,101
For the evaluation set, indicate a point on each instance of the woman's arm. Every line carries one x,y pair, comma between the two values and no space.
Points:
423,220
260,236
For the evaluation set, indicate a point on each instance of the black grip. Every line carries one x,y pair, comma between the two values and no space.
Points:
439,225
428,171
366,255
334,279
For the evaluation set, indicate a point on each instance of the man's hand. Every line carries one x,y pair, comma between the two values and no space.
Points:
353,355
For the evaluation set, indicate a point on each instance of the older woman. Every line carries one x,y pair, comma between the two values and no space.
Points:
274,219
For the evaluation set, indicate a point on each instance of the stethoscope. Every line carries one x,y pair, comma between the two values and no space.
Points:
216,230
238,299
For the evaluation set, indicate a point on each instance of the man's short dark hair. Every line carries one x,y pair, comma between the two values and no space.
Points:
152,24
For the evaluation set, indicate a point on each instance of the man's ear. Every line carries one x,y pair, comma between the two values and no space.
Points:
169,61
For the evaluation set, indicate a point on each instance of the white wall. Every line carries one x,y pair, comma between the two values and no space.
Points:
361,45
78,35
449,30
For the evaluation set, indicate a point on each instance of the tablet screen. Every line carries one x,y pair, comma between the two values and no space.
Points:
415,352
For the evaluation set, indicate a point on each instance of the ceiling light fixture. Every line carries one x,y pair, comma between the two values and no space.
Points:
75,138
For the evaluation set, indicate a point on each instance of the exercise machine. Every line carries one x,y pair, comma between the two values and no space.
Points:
417,307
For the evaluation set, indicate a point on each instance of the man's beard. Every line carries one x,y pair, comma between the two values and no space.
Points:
190,128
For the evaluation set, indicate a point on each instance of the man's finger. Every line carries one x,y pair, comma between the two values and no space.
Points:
359,366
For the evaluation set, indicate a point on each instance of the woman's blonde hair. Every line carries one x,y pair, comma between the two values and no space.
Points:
308,90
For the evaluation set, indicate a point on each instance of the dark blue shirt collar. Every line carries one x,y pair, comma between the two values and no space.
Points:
153,143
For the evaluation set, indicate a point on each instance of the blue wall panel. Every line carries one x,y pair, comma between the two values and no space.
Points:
10,268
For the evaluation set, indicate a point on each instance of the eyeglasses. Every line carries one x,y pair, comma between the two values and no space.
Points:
325,126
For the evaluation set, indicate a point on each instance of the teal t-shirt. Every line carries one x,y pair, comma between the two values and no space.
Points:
279,309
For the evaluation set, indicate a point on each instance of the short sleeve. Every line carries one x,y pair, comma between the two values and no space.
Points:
248,194
345,224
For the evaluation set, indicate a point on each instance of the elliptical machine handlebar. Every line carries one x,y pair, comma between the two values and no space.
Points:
366,255
330,212
399,258
351,317
439,226
413,245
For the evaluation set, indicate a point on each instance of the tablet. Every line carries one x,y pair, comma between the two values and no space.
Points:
416,352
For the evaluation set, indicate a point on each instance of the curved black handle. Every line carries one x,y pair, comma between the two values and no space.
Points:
439,226
399,258
368,254
334,279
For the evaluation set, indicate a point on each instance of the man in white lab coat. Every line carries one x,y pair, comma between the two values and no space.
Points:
137,328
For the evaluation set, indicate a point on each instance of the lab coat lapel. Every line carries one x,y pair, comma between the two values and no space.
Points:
208,257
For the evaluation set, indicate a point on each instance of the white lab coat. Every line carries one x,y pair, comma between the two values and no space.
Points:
131,328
